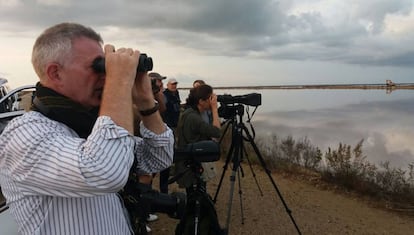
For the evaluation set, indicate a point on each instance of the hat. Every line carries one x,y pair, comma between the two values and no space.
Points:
172,80
154,75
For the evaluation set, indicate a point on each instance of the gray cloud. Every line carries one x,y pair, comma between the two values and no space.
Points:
375,11
266,29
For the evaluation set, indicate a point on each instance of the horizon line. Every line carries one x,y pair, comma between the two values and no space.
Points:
390,86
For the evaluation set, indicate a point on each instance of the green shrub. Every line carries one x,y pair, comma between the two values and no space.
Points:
345,166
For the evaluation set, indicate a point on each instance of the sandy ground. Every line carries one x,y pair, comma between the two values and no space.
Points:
314,209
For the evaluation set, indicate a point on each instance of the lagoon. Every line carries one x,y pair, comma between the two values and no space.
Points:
328,117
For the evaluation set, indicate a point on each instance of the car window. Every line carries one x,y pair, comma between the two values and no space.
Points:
3,91
15,103
2,200
17,99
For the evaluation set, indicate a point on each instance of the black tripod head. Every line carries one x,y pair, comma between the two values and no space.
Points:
232,106
229,112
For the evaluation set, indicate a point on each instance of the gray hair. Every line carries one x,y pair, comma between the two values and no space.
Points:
55,44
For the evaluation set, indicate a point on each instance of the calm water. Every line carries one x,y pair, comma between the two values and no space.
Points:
328,117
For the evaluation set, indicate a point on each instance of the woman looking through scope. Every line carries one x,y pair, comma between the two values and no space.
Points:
192,128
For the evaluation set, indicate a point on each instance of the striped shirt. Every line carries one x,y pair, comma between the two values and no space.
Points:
58,183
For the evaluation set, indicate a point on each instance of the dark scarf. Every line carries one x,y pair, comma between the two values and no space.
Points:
62,109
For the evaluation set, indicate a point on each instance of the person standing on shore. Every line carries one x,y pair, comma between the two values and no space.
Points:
63,163
206,115
172,103
159,96
192,128
170,117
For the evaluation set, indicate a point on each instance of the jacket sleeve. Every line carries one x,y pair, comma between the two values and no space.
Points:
205,130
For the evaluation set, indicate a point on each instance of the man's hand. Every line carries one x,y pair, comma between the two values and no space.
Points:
121,68
121,65
144,100
142,94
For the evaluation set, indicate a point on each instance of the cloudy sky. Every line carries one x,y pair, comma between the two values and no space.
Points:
231,42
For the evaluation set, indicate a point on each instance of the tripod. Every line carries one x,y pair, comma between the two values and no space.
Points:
235,155
200,215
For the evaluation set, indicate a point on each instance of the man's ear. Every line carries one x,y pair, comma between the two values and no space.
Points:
52,72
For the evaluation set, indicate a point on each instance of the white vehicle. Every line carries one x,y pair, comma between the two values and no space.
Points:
4,88
15,103
12,104
7,224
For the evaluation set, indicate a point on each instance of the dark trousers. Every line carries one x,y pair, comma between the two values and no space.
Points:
164,175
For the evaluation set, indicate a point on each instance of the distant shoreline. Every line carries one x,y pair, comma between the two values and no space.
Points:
396,86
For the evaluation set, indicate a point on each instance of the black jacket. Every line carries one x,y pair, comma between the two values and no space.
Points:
172,104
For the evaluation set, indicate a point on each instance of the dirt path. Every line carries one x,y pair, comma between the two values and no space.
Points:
315,211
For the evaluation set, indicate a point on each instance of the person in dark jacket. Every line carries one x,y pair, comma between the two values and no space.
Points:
172,103
192,128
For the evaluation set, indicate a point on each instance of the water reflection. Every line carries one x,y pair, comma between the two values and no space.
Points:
328,117
383,121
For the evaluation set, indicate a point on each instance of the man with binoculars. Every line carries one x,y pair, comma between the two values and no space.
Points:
63,162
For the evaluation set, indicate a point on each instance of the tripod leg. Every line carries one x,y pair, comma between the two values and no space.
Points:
253,173
240,195
237,138
262,162
228,158
232,179
196,216
142,227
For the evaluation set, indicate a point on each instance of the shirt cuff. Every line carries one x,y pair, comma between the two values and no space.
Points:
161,139
108,129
